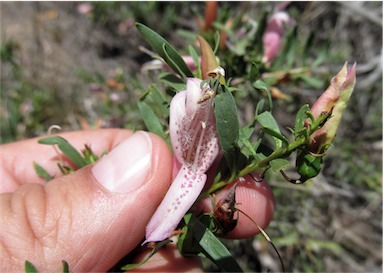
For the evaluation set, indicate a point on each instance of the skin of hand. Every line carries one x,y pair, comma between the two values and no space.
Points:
95,216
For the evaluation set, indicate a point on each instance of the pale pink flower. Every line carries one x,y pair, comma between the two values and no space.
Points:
84,8
273,35
195,144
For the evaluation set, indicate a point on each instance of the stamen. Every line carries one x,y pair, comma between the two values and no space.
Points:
197,155
206,106
192,146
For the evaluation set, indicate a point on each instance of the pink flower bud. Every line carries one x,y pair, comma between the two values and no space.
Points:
334,99
273,35
84,8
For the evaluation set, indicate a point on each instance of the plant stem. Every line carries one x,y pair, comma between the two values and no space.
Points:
282,152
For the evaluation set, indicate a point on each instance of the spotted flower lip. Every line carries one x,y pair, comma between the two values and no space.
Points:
196,145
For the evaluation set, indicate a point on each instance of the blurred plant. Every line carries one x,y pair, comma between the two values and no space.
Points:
118,17
25,106
270,43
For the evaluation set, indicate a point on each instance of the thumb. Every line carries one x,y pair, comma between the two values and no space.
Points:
91,218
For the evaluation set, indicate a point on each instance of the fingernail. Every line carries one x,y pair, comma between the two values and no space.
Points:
127,166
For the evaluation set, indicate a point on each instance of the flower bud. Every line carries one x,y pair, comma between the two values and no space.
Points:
273,35
334,100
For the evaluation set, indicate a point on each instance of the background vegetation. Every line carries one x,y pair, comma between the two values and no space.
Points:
80,70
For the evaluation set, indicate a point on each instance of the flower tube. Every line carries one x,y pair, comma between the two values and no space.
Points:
196,145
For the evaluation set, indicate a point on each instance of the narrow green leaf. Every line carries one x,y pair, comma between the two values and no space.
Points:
277,137
259,33
259,107
151,121
287,54
279,164
244,136
65,267
173,81
254,72
160,103
301,116
154,250
89,155
214,248
292,45
186,243
171,62
315,245
170,56
157,94
29,267
196,60
309,42
227,124
217,41
66,148
312,82
322,55
260,85
270,126
42,172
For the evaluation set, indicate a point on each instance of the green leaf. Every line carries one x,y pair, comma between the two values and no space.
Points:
89,155
196,60
227,124
259,107
312,82
65,267
217,41
173,81
244,136
329,245
322,55
288,53
214,249
151,121
159,103
172,63
309,42
30,268
66,148
165,50
186,243
260,85
42,172
279,164
301,116
262,24
292,45
270,126
254,72
308,165
154,250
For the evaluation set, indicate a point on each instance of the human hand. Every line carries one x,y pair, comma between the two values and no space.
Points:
95,216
